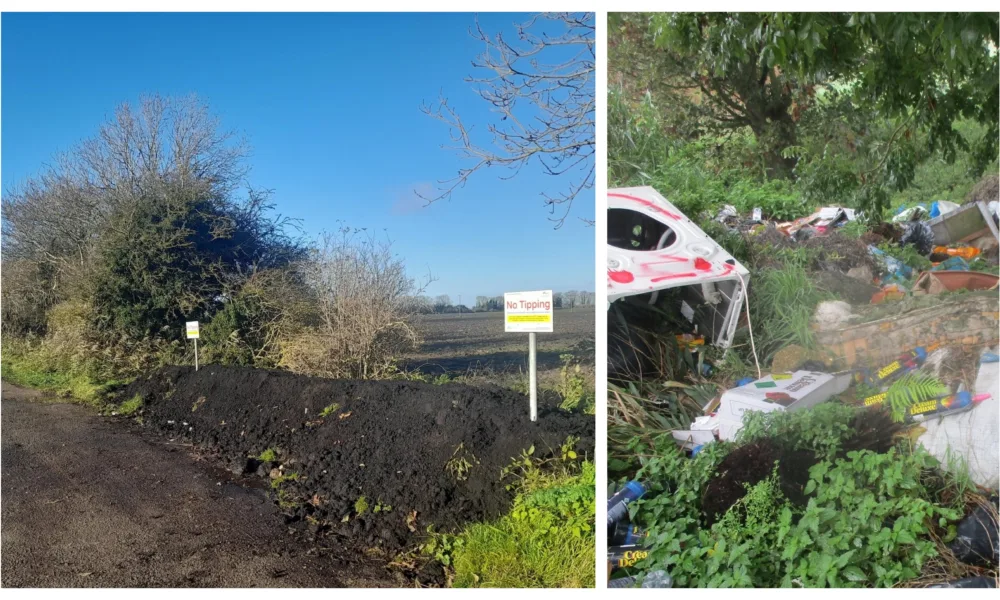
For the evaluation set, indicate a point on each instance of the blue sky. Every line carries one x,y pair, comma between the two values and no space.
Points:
330,105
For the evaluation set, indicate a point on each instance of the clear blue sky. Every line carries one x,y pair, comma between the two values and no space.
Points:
330,105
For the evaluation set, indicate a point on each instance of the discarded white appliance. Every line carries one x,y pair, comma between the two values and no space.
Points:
778,391
653,246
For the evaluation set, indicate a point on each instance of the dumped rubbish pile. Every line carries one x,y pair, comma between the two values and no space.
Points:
897,354
375,462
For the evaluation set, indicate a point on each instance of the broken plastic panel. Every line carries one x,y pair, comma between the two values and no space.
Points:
653,246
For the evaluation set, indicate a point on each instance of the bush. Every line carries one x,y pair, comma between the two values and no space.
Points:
365,310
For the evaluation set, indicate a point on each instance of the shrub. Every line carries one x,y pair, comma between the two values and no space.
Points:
365,312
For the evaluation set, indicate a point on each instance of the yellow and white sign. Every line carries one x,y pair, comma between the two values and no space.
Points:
528,312
192,330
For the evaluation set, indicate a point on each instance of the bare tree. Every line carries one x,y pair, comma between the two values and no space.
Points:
365,307
541,87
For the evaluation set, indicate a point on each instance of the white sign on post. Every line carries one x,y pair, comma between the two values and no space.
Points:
192,334
528,312
531,313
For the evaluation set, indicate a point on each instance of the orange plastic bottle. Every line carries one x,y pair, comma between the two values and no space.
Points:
966,252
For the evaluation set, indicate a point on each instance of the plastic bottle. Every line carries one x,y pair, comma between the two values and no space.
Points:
936,407
966,252
618,504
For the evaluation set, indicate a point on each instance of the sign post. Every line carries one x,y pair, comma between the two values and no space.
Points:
192,334
531,313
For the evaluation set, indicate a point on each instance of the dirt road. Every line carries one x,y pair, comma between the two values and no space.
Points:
87,502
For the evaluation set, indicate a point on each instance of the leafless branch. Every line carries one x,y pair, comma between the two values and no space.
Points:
541,87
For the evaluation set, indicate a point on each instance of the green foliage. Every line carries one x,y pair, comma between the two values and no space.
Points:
361,505
782,303
36,366
822,429
573,386
869,519
852,106
461,462
268,455
329,410
546,540
910,389
130,406
285,499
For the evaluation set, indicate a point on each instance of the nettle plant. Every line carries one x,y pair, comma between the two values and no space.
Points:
867,521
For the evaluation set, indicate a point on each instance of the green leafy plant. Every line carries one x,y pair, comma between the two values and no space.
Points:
546,539
361,505
910,389
268,455
868,518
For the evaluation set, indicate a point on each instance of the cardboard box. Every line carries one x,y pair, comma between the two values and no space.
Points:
802,389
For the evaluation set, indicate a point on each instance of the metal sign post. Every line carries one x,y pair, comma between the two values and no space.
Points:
531,313
192,334
532,376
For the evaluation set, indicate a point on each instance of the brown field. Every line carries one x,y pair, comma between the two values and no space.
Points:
460,344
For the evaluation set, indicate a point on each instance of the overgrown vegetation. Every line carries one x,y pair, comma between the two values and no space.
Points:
546,539
109,251
866,518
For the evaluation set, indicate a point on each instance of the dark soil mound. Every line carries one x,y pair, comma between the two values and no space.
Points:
750,464
388,442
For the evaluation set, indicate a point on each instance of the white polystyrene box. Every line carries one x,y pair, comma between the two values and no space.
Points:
802,390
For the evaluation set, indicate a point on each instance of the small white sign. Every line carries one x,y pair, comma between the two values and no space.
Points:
192,330
528,312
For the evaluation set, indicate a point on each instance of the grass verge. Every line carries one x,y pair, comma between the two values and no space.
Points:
546,540
26,369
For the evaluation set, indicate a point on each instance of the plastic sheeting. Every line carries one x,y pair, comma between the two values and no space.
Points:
973,435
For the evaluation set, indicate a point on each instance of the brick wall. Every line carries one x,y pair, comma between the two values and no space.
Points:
972,320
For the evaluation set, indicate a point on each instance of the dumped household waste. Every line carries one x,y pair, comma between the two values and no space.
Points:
973,436
938,282
777,391
977,540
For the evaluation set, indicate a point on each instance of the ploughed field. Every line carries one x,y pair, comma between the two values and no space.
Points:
457,344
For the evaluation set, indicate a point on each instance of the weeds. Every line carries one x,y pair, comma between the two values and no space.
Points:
268,455
461,462
361,506
573,386
130,406
329,410
285,499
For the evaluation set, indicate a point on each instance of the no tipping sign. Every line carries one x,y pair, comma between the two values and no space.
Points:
528,312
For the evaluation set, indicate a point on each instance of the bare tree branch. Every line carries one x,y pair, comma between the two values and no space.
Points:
542,89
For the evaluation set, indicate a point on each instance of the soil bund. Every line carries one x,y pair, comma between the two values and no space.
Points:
390,442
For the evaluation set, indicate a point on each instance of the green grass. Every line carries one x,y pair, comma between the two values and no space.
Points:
27,369
131,406
546,540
